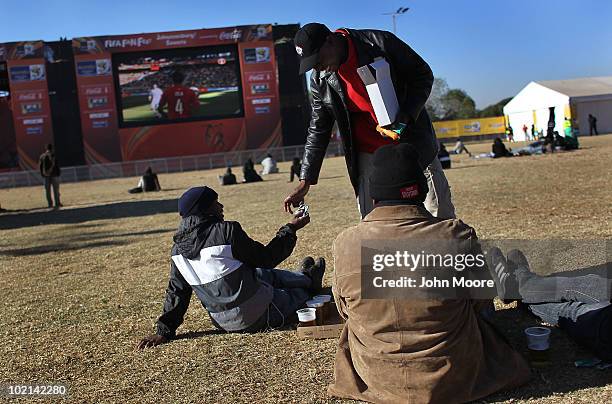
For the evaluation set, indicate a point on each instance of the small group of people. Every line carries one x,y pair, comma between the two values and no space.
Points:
390,350
269,167
248,172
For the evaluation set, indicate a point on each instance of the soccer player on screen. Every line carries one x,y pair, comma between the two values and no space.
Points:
155,97
182,102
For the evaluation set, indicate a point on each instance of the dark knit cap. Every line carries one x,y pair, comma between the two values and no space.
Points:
196,201
397,174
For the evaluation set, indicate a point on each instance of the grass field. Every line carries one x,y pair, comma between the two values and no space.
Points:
82,285
211,104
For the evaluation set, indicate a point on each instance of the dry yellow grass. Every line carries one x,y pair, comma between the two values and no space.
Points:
82,285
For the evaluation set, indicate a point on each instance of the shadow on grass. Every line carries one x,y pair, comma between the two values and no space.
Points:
199,334
19,252
116,210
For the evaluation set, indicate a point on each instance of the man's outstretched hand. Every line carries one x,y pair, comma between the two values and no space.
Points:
299,222
151,341
296,196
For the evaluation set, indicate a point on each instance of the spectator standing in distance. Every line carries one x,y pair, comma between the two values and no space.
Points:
526,132
509,134
50,171
296,168
592,125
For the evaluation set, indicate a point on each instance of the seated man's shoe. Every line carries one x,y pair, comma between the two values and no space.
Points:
316,273
517,259
503,275
307,262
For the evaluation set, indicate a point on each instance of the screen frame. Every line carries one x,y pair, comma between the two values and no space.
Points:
117,58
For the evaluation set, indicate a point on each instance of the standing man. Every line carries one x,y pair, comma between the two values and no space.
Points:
339,95
182,101
50,171
592,125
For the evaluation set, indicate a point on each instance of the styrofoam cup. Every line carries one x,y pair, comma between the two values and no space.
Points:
314,303
306,315
322,298
538,338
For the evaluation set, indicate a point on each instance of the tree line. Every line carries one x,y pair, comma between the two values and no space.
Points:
446,104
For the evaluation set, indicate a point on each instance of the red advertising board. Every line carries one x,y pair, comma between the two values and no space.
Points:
29,99
133,91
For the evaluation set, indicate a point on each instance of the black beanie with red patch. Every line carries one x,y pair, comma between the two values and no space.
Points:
397,174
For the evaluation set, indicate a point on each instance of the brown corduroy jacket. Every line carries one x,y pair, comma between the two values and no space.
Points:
413,351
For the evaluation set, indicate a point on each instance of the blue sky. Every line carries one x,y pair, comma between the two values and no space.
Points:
490,48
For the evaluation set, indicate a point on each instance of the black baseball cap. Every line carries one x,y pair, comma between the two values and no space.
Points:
308,41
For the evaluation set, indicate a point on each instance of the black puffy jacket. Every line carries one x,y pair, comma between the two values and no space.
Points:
412,79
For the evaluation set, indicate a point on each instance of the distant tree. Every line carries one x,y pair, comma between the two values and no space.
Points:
435,103
494,109
458,105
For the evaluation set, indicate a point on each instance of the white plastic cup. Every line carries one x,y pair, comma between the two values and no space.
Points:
307,316
314,303
318,306
538,338
322,298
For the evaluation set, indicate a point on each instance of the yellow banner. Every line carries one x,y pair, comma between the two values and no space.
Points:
469,127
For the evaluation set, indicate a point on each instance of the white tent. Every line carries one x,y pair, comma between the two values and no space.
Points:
575,99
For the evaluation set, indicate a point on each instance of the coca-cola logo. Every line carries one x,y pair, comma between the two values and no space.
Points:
259,77
234,35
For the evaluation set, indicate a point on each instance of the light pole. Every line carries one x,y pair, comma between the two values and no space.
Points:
397,13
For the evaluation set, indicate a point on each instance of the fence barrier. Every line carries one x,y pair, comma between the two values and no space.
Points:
161,165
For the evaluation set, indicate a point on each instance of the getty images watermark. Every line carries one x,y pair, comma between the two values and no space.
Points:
459,269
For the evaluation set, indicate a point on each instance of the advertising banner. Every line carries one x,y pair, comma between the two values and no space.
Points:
469,127
29,100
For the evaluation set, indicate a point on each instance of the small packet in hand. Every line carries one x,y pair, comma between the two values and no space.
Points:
302,210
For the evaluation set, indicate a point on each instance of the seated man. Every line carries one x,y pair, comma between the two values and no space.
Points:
460,148
444,157
499,149
249,173
232,274
418,351
579,305
269,165
148,183
228,178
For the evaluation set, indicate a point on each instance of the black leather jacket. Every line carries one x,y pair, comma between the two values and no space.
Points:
412,79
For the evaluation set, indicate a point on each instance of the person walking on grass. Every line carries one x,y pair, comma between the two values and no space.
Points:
50,171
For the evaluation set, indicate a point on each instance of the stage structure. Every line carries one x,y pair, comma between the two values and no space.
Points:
154,95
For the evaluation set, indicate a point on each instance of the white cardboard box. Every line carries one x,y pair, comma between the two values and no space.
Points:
377,78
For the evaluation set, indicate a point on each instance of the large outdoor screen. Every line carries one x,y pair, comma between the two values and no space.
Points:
178,85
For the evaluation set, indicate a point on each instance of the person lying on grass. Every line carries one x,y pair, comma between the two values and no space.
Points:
231,273
580,305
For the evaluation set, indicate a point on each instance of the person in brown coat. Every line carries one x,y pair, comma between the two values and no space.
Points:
412,350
